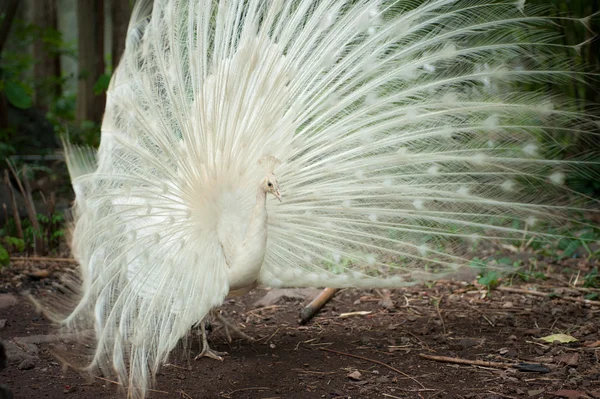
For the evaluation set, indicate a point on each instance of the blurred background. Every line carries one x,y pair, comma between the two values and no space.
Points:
56,61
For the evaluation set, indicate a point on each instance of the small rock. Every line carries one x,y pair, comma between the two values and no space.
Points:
355,375
2,323
512,338
26,364
181,376
272,346
508,305
411,317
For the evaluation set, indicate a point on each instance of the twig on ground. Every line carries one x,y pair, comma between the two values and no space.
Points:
457,360
270,336
313,308
527,367
376,362
184,395
548,295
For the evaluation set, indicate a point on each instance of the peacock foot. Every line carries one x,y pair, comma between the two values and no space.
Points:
207,352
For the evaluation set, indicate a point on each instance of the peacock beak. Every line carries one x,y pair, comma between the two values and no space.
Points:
277,194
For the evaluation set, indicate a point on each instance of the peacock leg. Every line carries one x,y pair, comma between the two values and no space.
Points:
227,324
206,351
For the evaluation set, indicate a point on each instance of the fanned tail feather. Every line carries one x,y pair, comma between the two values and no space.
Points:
405,137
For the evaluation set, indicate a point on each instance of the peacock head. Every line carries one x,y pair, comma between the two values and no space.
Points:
270,186
269,182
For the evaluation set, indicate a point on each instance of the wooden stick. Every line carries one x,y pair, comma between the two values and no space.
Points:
527,367
456,360
41,259
317,304
13,204
376,362
547,295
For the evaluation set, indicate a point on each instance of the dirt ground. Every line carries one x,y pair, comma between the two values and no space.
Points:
374,354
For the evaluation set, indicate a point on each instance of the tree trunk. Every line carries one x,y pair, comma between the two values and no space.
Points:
9,10
90,20
47,65
121,11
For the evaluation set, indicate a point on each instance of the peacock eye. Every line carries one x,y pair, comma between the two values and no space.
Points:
270,184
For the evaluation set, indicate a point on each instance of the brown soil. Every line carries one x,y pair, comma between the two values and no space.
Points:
450,319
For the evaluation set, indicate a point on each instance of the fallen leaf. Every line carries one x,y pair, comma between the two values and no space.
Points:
350,314
569,359
593,344
355,375
534,392
562,338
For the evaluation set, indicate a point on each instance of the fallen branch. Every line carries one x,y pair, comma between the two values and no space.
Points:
376,362
41,259
317,304
538,368
548,295
457,360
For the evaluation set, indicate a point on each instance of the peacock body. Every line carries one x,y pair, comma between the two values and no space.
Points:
399,131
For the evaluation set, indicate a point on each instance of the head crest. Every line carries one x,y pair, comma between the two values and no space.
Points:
269,163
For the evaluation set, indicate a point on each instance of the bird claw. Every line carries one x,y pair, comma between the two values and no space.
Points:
207,352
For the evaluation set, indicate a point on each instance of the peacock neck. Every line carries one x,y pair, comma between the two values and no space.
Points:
244,270
259,213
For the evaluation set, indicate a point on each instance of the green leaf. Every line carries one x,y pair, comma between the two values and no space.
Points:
571,248
489,280
562,338
101,84
16,95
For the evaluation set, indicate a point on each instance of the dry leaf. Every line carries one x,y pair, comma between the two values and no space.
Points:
569,359
355,375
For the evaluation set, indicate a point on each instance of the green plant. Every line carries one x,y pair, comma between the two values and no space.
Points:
592,279
10,245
